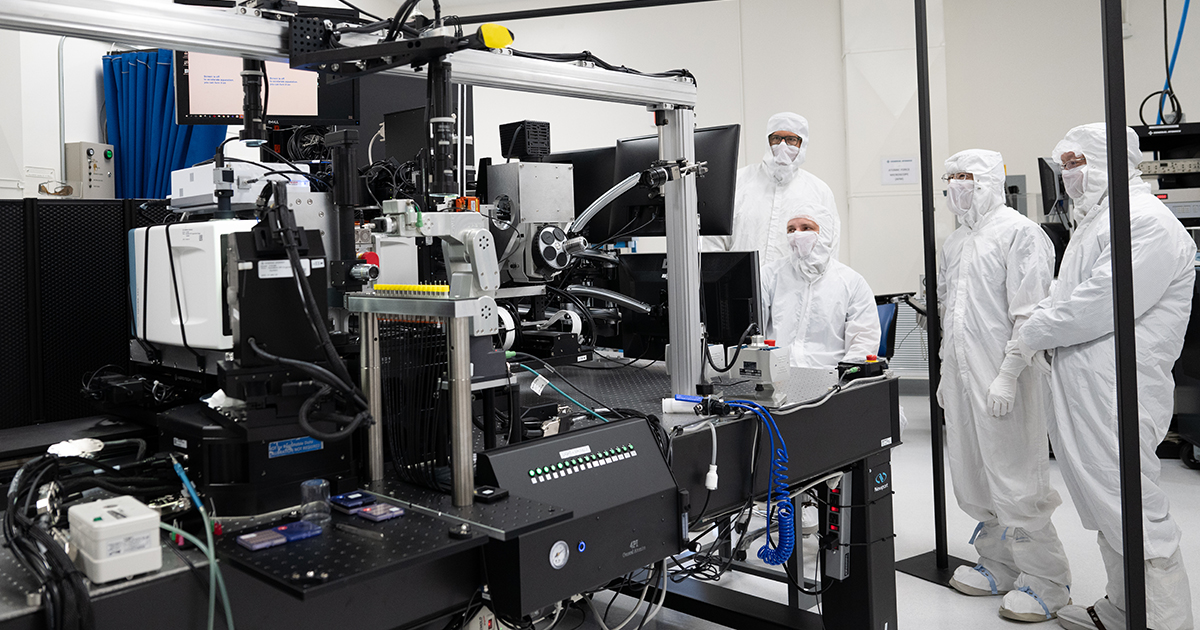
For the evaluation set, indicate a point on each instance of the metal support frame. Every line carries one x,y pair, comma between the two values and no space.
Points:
676,134
371,377
1129,444
462,469
182,27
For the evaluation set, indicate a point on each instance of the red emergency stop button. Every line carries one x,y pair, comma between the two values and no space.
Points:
872,358
769,342
370,258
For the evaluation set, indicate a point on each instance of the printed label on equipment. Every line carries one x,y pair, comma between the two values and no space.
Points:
268,269
179,442
575,452
188,234
581,358
885,441
539,384
128,544
293,446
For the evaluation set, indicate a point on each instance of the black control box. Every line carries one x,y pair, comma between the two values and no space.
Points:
625,513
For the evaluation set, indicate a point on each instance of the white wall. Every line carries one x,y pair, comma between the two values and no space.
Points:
751,59
29,136
885,228
1023,72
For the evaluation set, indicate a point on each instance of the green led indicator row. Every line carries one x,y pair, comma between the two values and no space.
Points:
580,460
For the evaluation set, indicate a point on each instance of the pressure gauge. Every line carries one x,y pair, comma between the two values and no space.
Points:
558,554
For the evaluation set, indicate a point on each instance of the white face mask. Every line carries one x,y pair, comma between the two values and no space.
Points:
785,153
961,194
1075,181
802,243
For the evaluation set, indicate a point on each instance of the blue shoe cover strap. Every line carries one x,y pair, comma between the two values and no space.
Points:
1028,591
991,580
978,528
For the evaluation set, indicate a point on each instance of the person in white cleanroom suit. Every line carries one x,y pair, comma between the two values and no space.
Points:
765,191
994,270
1075,326
817,307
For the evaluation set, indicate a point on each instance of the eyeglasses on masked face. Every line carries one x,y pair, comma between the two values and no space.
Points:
793,141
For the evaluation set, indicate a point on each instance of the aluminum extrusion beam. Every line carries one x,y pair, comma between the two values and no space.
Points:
182,27
150,23
675,141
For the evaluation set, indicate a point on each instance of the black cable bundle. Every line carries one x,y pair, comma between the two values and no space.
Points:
28,533
415,413
64,594
334,381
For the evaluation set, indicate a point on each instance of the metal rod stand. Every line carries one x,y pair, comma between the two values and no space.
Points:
458,343
372,383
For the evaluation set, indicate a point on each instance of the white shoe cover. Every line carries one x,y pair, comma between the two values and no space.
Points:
1022,605
973,581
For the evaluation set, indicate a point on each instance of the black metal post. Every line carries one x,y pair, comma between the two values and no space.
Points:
931,298
342,152
441,176
254,127
1126,358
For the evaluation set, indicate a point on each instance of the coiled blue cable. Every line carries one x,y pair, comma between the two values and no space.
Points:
779,505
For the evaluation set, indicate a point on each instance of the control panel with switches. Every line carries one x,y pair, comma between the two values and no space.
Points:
91,170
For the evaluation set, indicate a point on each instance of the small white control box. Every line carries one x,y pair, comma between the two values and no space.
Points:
115,538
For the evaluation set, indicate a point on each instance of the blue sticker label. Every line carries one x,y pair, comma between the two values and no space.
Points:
293,446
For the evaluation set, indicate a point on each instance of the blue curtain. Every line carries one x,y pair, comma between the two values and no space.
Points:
139,97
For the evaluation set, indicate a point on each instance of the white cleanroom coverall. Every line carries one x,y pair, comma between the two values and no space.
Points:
817,307
1075,323
994,270
765,191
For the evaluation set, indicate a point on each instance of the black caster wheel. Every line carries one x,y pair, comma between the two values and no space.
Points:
1189,456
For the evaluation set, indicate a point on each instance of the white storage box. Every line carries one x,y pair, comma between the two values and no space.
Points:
115,538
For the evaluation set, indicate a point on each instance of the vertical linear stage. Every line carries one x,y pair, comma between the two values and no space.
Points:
676,141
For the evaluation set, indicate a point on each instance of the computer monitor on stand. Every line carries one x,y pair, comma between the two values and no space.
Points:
729,299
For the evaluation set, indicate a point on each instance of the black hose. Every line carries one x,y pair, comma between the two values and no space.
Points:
317,372
736,352
306,410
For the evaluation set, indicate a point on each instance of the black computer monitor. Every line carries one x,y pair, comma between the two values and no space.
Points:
729,300
592,177
208,91
639,214
1053,196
